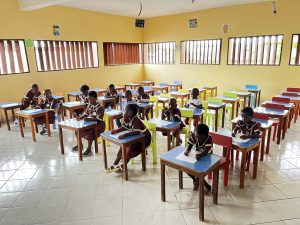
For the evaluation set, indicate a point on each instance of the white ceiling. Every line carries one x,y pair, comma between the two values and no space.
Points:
152,8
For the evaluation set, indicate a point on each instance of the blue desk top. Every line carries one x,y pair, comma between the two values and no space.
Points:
101,98
74,93
53,96
32,111
73,104
215,105
203,165
77,124
9,104
286,104
227,98
163,123
122,141
264,123
179,93
238,144
274,112
160,86
113,112
197,112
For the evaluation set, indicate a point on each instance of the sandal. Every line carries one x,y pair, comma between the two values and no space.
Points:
114,168
87,152
43,131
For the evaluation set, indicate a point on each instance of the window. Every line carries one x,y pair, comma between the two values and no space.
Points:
13,57
257,50
159,53
201,52
295,51
122,53
65,55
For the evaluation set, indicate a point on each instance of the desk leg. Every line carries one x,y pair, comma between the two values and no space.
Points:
233,110
180,179
243,167
20,119
61,141
256,152
169,140
268,140
6,117
47,124
215,185
13,114
71,113
178,137
163,181
124,156
201,198
216,120
151,110
95,139
258,100
104,153
79,144
249,101
279,130
223,117
68,97
262,147
284,126
32,128
143,156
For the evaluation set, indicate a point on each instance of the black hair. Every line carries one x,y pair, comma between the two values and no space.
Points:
93,94
84,88
173,99
134,108
111,86
128,92
248,110
195,89
141,88
202,129
34,86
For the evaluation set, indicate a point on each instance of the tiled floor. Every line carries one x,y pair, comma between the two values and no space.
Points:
38,185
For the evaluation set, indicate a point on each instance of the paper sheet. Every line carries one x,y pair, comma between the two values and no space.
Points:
238,139
191,158
116,136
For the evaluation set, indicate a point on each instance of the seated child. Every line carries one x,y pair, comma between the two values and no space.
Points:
194,103
31,98
53,105
143,98
133,125
202,141
83,98
112,93
128,100
246,126
93,112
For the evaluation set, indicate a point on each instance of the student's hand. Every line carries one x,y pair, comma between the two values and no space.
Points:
122,136
233,134
114,131
78,118
186,153
198,157
243,137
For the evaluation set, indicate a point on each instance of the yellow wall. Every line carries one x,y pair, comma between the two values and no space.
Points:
75,25
252,19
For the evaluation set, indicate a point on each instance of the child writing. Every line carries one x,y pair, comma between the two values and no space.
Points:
83,98
112,93
134,126
93,112
202,141
31,98
143,98
194,103
128,100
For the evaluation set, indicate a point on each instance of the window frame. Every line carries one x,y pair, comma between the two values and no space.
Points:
56,70
156,56
25,49
256,52
292,49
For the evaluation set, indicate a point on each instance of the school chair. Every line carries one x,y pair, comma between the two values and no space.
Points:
293,89
185,100
285,100
275,121
186,113
241,101
154,100
229,107
251,87
209,92
163,95
290,94
105,119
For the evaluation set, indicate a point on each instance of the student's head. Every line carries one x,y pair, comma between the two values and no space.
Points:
84,89
92,96
201,132
172,103
140,90
111,87
128,95
195,92
247,114
131,111
47,93
35,88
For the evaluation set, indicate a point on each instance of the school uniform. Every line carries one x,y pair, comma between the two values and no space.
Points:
30,99
112,94
197,102
172,115
83,99
248,129
51,104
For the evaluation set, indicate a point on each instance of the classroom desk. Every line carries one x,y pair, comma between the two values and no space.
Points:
9,106
296,101
279,114
180,95
198,113
112,115
160,88
174,86
123,144
144,107
148,91
206,165
245,147
234,102
99,91
266,127
167,127
74,94
216,108
257,93
31,114
132,86
212,89
244,96
56,97
202,91
103,100
147,83
72,106
78,127
163,100
120,88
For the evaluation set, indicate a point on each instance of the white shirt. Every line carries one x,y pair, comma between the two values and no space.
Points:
195,102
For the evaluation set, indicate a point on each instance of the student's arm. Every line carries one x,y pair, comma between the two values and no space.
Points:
256,132
164,114
131,133
191,143
197,106
120,129
206,149
236,129
137,127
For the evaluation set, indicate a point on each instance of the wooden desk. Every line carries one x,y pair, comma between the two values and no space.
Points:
296,101
266,127
103,100
31,114
112,115
174,86
74,94
160,88
212,89
135,92
245,147
144,107
163,100
147,83
120,88
180,95
132,86
234,102
244,95
257,93
123,144
72,106
216,108
167,127
78,127
279,114
9,106
206,165
99,91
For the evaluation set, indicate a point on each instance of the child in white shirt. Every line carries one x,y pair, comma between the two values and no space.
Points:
194,103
